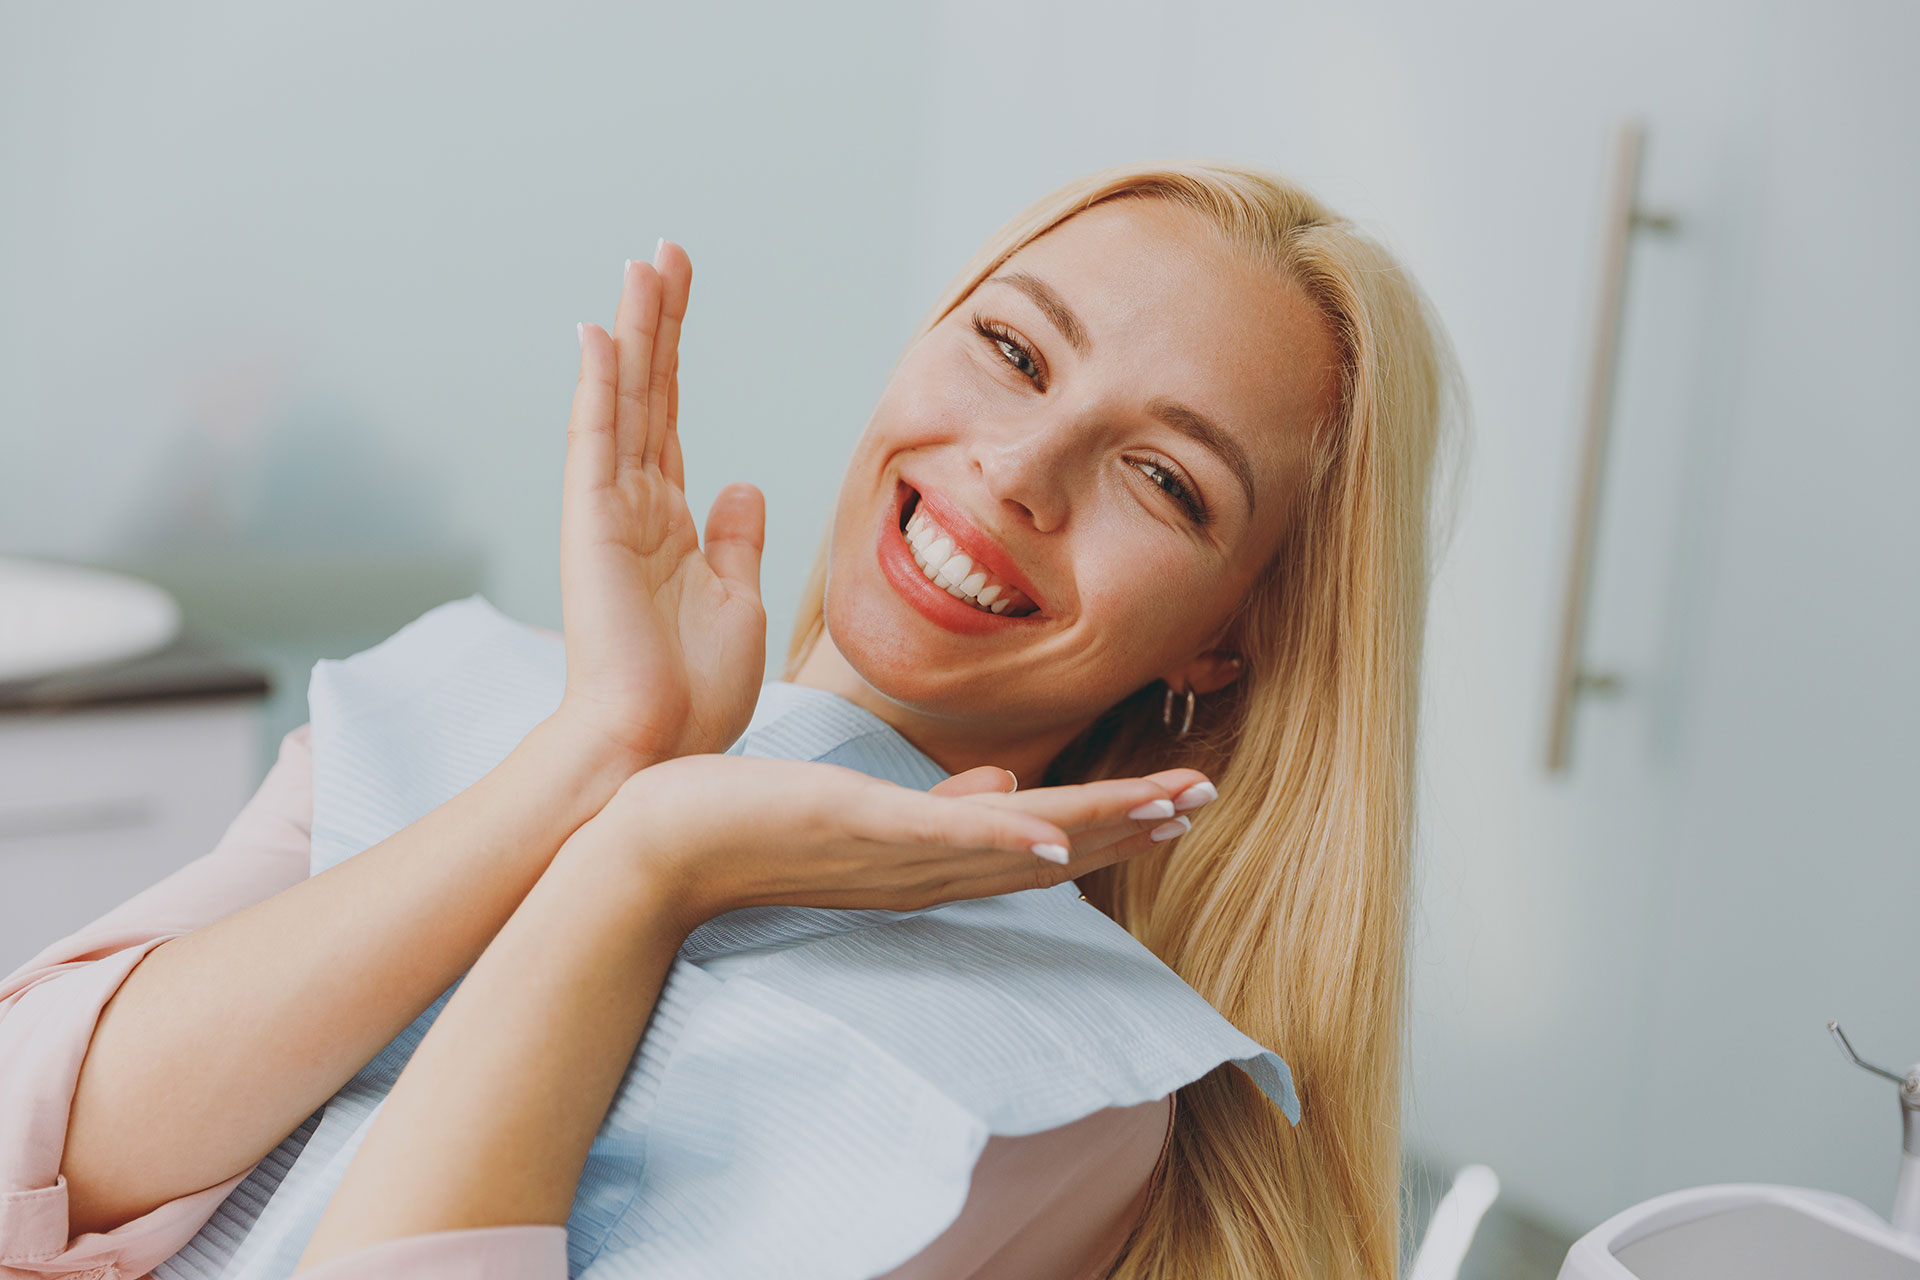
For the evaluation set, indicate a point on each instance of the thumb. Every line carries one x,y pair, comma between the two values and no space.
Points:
736,534
988,779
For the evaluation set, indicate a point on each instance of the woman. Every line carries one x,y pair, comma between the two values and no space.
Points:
1170,440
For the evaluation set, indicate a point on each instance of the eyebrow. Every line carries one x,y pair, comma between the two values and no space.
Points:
1052,304
1188,421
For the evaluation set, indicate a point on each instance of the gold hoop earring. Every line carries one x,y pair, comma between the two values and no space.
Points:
1166,714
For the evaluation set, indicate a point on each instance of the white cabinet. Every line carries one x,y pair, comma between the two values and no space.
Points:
99,802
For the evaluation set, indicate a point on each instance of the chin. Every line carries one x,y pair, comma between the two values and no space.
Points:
890,653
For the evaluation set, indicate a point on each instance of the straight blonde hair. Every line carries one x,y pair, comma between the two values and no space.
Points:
1288,908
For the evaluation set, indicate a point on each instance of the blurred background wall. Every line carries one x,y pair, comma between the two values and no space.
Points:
288,292
287,298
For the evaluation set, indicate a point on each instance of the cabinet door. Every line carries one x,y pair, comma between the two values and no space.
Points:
97,805
1623,972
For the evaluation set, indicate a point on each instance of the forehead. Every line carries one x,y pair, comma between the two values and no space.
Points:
1172,309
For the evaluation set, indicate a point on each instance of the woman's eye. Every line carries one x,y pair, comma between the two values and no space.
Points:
1174,485
1010,349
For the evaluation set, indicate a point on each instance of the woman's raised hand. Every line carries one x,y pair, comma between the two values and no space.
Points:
708,834
666,644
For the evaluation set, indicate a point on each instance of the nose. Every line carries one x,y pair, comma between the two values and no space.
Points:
1028,464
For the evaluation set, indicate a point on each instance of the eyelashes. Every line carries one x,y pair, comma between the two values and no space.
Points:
1012,352
1171,482
1002,337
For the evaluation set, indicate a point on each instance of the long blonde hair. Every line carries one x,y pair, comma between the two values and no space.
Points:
1288,907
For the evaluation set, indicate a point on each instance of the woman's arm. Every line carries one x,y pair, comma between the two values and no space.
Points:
490,1123
492,1119
221,1041
50,1005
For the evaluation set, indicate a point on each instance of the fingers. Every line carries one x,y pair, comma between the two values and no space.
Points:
670,462
986,779
1156,820
1101,815
736,534
1189,788
635,325
591,443
675,270
1152,830
1087,805
922,820
1092,849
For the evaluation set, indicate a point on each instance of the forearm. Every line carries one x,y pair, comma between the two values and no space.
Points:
491,1121
222,1040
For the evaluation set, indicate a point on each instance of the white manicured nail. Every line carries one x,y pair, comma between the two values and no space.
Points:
1052,852
1195,796
1168,830
658,245
580,332
1151,809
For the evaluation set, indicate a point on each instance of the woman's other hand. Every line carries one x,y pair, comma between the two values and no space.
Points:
709,834
666,644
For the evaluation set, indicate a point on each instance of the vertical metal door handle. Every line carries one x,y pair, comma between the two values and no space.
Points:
1572,678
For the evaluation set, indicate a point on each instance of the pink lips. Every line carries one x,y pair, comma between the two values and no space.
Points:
903,573
970,538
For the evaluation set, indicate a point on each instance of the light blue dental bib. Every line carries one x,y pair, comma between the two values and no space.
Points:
814,1086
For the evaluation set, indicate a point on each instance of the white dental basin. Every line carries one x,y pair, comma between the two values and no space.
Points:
1755,1231
55,617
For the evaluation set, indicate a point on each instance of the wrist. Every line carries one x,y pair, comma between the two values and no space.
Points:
656,844
586,738
606,875
579,763
587,730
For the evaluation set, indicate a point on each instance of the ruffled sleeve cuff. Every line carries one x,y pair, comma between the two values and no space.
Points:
44,1035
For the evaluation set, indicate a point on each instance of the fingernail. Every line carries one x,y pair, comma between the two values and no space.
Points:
1016,778
658,245
625,267
1168,830
580,332
1151,809
1051,852
1195,796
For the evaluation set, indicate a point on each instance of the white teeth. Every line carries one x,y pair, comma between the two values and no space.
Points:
955,569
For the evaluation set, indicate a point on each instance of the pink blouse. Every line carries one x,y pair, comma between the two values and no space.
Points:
1057,1205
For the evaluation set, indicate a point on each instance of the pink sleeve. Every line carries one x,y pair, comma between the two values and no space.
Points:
1058,1203
51,1004
473,1253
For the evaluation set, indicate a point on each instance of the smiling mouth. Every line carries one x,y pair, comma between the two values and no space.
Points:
939,558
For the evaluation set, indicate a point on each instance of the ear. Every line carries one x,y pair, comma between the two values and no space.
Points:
1206,673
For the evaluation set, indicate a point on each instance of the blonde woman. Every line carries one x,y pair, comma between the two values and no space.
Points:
1180,423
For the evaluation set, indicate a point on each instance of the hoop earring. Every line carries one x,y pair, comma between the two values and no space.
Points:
1166,714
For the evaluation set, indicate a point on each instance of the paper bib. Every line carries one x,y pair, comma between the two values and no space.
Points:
814,1086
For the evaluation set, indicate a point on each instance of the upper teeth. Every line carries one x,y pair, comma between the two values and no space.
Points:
952,569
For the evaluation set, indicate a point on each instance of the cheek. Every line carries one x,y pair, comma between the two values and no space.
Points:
1143,597
933,398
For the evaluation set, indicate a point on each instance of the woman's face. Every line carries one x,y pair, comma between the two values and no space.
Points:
1111,430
